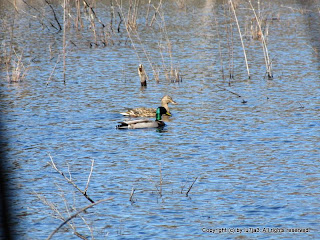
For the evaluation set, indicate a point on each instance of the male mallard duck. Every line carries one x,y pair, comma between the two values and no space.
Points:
142,123
151,112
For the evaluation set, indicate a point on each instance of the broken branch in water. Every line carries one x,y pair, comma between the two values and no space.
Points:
131,195
76,214
55,16
222,88
191,186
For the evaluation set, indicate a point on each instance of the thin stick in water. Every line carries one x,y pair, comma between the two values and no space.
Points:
89,177
187,193
131,195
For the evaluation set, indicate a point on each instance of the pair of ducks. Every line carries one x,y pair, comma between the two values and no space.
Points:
147,112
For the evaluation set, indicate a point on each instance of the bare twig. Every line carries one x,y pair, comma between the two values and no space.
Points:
69,180
160,180
88,226
56,213
159,186
55,16
54,68
155,13
94,16
76,214
92,162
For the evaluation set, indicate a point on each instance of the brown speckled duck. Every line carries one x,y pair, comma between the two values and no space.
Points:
151,112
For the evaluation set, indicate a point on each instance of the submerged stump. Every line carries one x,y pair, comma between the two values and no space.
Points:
142,75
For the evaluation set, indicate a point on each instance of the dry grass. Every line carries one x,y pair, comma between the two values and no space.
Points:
79,23
16,70
262,34
154,20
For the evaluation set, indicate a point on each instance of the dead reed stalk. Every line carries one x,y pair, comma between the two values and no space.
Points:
92,16
12,59
148,10
133,33
64,39
264,44
174,72
219,45
229,31
78,21
53,70
155,13
133,13
239,30
159,188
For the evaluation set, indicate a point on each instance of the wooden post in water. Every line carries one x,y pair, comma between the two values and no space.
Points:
142,75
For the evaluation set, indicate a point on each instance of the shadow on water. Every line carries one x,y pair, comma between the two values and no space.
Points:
7,225
6,219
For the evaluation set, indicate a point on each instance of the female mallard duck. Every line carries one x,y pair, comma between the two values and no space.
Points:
151,112
143,123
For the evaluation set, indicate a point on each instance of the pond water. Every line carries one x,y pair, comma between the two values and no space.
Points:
248,163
